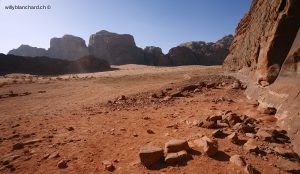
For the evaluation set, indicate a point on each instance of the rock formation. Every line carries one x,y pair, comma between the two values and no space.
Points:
68,47
121,49
266,51
50,66
210,53
152,55
28,51
115,48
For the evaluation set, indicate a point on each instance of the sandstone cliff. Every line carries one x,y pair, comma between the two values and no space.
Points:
262,51
115,48
28,51
68,47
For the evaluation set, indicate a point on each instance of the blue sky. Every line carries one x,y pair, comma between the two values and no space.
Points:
163,23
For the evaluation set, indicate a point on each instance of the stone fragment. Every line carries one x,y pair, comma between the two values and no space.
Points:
249,169
209,147
173,158
32,141
209,124
18,146
237,160
108,165
218,134
251,146
53,155
150,155
176,146
233,138
214,118
264,135
62,164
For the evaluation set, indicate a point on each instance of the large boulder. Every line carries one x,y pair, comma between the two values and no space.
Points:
28,51
115,48
68,47
266,50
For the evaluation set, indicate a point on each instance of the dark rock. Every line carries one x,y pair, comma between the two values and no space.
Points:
233,138
218,134
62,164
18,146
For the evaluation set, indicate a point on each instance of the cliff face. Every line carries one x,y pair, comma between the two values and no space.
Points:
28,51
266,51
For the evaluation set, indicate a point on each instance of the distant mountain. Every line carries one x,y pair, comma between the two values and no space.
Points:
121,49
50,66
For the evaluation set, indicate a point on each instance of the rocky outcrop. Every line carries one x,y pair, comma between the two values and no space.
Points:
28,51
115,48
210,53
266,51
153,55
121,49
50,66
68,47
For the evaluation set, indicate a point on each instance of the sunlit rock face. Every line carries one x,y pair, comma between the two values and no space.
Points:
266,52
68,47
115,48
28,51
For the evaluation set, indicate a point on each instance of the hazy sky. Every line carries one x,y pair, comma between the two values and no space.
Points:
163,23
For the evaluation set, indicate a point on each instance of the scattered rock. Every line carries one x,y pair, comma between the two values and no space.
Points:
176,146
264,135
53,155
244,128
250,135
150,155
249,169
218,134
70,129
108,166
173,158
62,164
233,138
177,94
267,110
210,147
237,160
236,85
18,146
214,118
9,159
32,141
149,131
209,124
251,146
285,152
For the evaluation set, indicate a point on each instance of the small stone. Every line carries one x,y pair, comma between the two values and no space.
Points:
249,169
236,85
176,146
214,118
149,131
250,135
54,155
267,110
237,160
135,135
218,134
108,166
150,155
32,141
209,124
173,158
233,138
62,164
70,129
251,146
264,135
18,146
210,147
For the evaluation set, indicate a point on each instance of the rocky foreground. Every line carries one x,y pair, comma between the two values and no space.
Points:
201,125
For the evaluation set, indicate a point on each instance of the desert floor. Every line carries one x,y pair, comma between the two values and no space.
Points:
83,119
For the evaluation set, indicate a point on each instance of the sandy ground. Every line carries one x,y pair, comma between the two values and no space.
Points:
80,118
